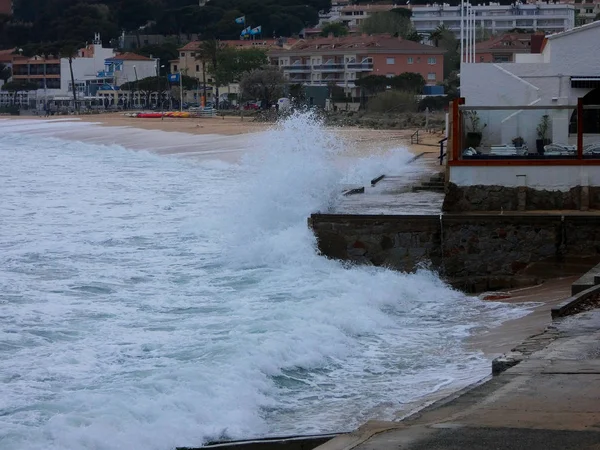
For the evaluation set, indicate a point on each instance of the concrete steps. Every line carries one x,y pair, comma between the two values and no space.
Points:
436,183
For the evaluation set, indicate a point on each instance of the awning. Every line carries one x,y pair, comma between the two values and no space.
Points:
585,82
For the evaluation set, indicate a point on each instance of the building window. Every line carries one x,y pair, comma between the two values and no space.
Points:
390,61
182,55
409,60
197,67
174,67
431,76
431,60
390,75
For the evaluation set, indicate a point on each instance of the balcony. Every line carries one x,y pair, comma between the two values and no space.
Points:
105,74
360,67
297,68
329,67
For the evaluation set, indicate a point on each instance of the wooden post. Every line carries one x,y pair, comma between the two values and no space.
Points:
580,128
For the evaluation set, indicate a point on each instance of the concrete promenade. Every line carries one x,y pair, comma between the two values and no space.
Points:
549,401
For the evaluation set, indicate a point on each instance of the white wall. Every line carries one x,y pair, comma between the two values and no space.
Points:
84,68
538,83
144,69
556,178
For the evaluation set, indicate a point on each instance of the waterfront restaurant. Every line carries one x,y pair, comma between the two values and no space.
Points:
526,135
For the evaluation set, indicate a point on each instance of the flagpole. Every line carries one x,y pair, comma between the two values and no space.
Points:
474,35
462,27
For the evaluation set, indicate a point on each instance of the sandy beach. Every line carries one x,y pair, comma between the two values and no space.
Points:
360,141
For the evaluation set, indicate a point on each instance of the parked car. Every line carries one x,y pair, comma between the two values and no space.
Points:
251,105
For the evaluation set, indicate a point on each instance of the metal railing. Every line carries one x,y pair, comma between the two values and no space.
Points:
414,138
442,152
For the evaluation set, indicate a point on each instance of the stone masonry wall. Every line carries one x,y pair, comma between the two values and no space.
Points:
500,198
460,247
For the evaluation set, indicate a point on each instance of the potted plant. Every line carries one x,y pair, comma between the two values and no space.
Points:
474,129
542,134
518,142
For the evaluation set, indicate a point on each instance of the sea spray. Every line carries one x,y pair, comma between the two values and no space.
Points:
148,302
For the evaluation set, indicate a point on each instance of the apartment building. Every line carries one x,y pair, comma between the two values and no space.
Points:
189,65
354,15
94,69
496,18
585,11
334,14
341,61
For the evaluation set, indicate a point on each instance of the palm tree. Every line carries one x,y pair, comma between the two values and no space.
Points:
438,34
203,58
211,49
70,51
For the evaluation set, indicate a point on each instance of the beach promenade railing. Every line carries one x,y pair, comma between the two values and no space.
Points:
203,112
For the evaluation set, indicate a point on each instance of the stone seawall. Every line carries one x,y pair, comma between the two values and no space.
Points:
502,198
478,252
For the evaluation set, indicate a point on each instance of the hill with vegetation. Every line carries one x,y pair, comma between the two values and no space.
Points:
36,21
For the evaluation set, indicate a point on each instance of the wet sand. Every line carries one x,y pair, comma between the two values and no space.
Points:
501,339
360,141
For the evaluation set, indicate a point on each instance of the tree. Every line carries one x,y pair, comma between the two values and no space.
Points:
438,34
5,73
17,86
165,52
403,12
372,84
336,28
210,51
408,82
265,84
235,62
390,23
70,51
147,85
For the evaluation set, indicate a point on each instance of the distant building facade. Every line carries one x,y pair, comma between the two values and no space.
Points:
354,15
95,69
342,61
496,18
189,64
503,48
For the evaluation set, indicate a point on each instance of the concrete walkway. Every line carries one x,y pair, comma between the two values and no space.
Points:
550,401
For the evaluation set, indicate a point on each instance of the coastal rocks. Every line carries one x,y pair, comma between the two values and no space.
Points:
501,198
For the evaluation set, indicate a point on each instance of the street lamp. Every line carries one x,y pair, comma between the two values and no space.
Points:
137,86
158,99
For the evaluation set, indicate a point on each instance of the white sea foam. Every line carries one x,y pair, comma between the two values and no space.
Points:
148,302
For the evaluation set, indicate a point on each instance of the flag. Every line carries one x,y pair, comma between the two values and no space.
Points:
246,31
241,20
174,78
256,30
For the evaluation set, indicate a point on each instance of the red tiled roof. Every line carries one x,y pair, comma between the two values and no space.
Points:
257,43
506,42
381,42
6,56
370,8
128,56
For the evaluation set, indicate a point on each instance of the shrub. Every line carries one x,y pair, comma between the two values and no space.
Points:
393,102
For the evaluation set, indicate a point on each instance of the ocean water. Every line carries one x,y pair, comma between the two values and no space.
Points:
148,302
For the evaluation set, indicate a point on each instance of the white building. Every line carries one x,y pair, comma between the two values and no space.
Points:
354,15
496,18
334,14
568,68
563,84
